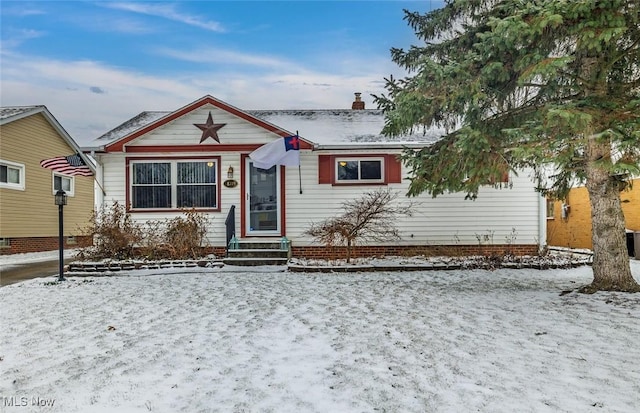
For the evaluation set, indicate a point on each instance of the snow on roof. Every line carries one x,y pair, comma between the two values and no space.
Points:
133,124
340,126
7,112
326,127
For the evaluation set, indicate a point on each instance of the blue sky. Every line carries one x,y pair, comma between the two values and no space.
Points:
97,64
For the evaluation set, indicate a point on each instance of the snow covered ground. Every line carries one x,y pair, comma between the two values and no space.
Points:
238,340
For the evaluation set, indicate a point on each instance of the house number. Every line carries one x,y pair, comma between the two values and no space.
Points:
230,183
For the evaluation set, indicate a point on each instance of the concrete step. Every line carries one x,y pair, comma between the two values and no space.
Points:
254,261
258,252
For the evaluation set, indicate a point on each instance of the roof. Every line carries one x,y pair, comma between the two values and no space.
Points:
10,114
343,127
328,128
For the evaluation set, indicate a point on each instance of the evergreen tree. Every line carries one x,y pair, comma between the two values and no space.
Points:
551,86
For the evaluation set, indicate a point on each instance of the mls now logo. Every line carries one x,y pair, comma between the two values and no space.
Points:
14,401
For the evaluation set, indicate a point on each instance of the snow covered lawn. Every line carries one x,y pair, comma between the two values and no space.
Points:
213,340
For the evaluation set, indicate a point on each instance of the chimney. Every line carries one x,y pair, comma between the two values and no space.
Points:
357,104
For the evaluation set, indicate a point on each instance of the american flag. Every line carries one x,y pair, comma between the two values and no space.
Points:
68,165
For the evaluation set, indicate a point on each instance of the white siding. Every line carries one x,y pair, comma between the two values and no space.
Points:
502,215
182,130
448,219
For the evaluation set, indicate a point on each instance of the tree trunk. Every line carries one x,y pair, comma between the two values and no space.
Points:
611,267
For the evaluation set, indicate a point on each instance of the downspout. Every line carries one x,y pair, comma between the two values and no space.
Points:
99,184
542,223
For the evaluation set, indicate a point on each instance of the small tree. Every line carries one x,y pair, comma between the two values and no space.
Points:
369,218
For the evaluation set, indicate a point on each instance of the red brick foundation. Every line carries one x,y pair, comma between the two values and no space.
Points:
40,244
321,252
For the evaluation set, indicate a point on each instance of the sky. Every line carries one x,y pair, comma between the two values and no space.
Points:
95,65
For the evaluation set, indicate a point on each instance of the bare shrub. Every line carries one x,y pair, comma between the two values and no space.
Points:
371,217
184,235
114,233
117,236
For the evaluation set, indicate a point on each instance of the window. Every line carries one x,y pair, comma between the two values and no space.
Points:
196,187
63,182
359,170
550,209
5,243
174,184
11,175
151,185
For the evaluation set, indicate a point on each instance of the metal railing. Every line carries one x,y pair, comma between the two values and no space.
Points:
230,224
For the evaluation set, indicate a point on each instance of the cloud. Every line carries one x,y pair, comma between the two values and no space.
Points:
166,11
86,111
20,10
16,37
227,57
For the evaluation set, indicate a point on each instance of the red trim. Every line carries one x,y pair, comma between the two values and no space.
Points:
246,147
326,169
243,198
127,169
393,169
283,202
243,195
118,146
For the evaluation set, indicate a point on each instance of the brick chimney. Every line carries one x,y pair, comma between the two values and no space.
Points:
357,104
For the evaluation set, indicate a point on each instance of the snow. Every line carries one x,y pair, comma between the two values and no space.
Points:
11,260
234,339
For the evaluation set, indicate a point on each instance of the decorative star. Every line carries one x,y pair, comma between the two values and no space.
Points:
209,129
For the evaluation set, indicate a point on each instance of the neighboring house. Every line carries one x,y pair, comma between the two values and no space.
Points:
569,221
143,164
28,215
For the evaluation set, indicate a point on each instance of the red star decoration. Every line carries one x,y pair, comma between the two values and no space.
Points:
209,129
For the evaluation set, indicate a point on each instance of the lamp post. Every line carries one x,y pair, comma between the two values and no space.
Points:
61,201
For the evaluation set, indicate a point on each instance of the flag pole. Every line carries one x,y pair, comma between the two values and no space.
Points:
299,169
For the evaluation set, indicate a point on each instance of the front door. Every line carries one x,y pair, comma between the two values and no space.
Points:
262,206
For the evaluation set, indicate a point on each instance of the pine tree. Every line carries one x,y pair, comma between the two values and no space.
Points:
551,86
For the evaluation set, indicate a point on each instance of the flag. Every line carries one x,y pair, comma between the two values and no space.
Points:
285,151
68,165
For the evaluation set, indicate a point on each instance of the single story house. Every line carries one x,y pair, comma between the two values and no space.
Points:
198,156
28,215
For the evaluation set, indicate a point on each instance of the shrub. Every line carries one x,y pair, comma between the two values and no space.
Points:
114,233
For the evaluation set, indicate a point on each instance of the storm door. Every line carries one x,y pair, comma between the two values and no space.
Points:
262,200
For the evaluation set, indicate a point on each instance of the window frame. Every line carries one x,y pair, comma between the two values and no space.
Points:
359,159
173,170
72,183
551,209
20,186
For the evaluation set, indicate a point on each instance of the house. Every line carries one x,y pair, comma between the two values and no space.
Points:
143,164
569,221
28,215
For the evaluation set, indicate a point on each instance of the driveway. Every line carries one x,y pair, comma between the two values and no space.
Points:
26,271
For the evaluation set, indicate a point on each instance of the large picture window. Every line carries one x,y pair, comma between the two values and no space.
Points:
11,175
174,184
359,170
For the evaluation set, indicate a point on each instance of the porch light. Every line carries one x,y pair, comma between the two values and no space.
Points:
230,172
60,199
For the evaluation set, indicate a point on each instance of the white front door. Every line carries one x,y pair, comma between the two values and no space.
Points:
262,200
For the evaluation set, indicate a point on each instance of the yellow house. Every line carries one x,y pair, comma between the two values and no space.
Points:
569,221
28,214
